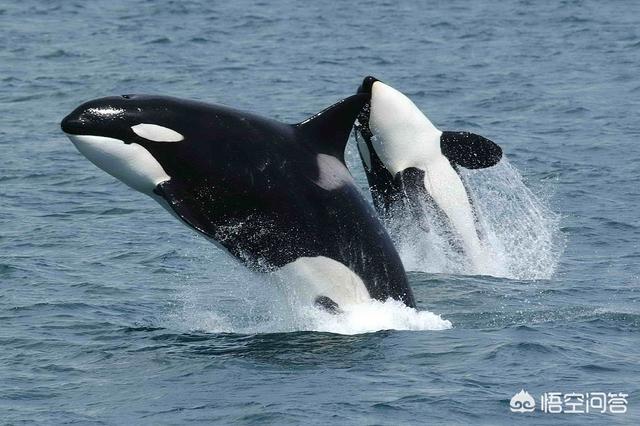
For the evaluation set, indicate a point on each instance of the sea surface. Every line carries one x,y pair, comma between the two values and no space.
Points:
112,312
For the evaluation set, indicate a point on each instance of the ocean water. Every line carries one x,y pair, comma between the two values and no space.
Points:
111,312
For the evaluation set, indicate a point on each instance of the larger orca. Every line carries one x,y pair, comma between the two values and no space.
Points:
409,161
276,196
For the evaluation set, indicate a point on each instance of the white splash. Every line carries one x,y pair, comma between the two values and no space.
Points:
373,316
256,306
366,317
520,234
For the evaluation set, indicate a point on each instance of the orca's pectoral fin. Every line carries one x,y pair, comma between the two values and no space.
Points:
469,150
328,131
326,303
186,206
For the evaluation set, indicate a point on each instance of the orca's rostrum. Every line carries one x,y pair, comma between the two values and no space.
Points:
276,196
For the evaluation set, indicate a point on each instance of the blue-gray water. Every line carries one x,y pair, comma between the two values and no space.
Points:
111,312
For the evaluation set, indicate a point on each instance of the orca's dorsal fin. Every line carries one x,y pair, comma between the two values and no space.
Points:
328,131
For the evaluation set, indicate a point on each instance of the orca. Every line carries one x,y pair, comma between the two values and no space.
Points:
408,161
277,197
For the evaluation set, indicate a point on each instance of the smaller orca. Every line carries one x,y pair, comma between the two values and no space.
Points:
278,197
408,161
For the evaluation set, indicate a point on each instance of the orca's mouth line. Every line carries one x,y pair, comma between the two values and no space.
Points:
77,127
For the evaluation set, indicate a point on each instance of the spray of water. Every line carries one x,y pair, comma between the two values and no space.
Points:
260,304
520,234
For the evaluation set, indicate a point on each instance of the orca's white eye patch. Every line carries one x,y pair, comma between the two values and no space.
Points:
156,133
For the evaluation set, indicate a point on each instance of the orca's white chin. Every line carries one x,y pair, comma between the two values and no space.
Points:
130,163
